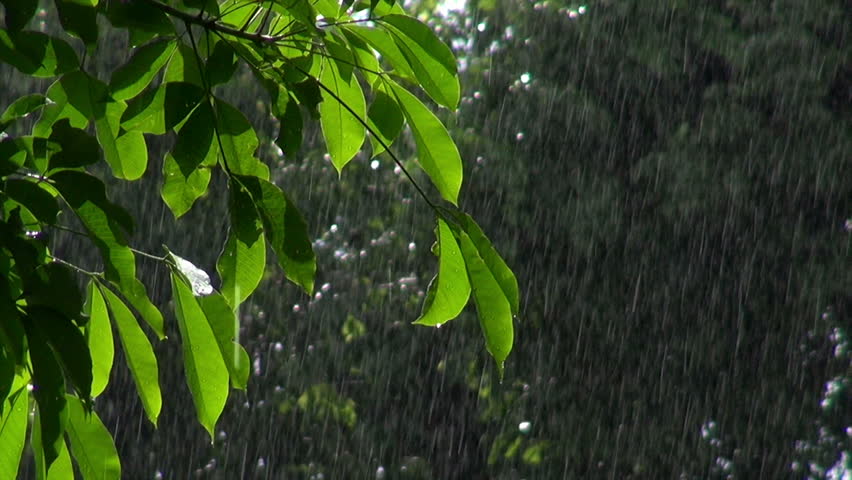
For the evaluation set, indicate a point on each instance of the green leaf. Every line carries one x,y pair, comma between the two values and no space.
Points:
449,290
285,230
385,120
49,392
161,109
13,430
197,278
131,78
206,373
20,108
243,260
342,111
221,64
37,54
224,323
183,67
104,221
54,286
143,20
138,354
495,313
181,190
437,153
78,148
36,199
12,332
16,152
290,123
68,344
61,468
99,339
431,59
382,42
79,20
364,58
91,443
18,15
239,141
7,377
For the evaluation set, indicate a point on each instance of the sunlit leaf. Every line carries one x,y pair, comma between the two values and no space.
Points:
186,171
243,260
20,108
206,373
35,198
91,443
61,468
13,429
285,231
449,291
183,66
342,111
79,20
436,151
239,141
181,190
493,309
431,59
37,54
382,42
161,109
131,78
99,339
286,110
197,278
223,321
138,354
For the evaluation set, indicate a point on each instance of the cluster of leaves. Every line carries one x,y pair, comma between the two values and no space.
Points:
315,59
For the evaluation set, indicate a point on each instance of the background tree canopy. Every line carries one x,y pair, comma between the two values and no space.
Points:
672,181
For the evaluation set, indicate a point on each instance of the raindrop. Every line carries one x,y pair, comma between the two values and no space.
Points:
519,136
158,475
334,228
438,325
572,14
297,308
325,287
581,10
525,427
261,463
526,77
481,27
311,348
374,164
278,346
326,157
412,246
380,472
477,95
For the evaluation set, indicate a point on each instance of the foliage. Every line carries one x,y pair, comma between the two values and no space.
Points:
315,59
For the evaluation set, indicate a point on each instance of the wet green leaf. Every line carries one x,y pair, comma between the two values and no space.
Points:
239,141
143,20
7,378
91,443
20,108
54,286
13,430
68,345
99,339
18,15
206,373
196,277
385,119
78,148
285,231
492,306
186,171
449,291
243,260
79,20
431,59
342,112
36,199
61,468
37,54
131,78
382,42
161,109
436,151
290,128
138,354
183,67
49,392
223,321
181,190
221,64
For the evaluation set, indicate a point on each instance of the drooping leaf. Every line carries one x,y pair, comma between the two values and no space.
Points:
18,14
385,120
186,171
161,109
49,392
239,141
436,151
285,231
138,354
431,59
196,277
243,259
206,373
59,469
449,291
342,111
79,19
223,321
78,148
131,78
13,430
37,200
99,339
91,443
68,345
105,221
37,54
20,108
492,306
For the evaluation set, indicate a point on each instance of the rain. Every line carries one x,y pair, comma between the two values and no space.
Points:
671,182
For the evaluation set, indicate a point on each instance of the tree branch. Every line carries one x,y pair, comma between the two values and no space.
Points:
212,24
